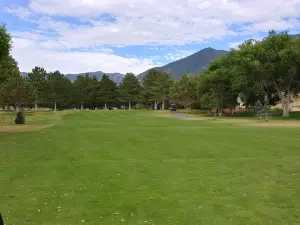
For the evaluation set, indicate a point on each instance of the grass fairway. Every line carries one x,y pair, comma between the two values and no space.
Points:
111,168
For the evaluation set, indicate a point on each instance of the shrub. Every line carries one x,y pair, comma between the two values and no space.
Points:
20,118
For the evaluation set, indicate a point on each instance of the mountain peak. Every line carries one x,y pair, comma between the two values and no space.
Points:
191,65
208,49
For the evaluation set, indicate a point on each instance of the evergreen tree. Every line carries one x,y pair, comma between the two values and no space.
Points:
106,93
59,90
37,77
130,90
151,87
81,89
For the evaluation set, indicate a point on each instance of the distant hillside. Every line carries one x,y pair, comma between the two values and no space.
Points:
116,77
192,64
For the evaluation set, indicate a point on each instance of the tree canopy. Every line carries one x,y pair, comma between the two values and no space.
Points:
5,42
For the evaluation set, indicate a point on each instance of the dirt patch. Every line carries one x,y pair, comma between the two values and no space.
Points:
22,128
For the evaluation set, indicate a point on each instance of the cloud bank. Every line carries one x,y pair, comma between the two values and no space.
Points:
79,35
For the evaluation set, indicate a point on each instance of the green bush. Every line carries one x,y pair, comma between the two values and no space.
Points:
20,118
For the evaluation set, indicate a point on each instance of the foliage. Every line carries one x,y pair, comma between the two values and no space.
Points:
263,111
130,90
59,90
151,88
37,77
257,69
184,91
8,65
17,92
106,92
82,88
5,42
20,118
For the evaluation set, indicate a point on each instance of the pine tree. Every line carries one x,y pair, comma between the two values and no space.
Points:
38,78
106,93
130,90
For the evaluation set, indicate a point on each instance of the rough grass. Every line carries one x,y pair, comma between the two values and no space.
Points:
34,121
98,167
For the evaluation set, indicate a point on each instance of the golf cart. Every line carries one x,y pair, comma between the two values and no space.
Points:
173,107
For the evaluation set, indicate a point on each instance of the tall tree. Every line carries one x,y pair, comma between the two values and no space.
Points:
81,88
130,89
279,56
165,83
59,90
151,87
107,92
215,89
184,91
5,42
37,77
92,88
17,92
270,64
8,67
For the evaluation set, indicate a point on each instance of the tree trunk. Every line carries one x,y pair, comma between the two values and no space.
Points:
105,106
129,105
81,105
220,112
286,106
54,106
36,105
155,105
163,105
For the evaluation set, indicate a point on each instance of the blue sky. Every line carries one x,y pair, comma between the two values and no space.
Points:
134,35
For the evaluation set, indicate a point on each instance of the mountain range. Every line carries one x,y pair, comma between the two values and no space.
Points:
116,77
191,65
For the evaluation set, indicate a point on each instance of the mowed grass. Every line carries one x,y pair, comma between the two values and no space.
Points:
110,168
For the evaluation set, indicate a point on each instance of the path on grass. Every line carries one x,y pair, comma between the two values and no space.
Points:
239,121
179,115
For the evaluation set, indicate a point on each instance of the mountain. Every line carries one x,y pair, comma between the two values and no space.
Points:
116,77
191,65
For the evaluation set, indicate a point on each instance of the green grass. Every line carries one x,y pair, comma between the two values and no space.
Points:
92,164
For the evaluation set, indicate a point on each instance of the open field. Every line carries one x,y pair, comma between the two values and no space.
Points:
120,167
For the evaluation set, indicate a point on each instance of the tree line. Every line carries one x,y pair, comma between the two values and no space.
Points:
54,90
265,71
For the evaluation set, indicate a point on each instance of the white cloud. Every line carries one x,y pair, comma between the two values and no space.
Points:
273,25
29,55
21,12
143,22
234,45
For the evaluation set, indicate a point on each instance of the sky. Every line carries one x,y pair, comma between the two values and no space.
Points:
76,36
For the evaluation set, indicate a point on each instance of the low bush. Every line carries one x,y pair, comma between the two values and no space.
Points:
20,118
